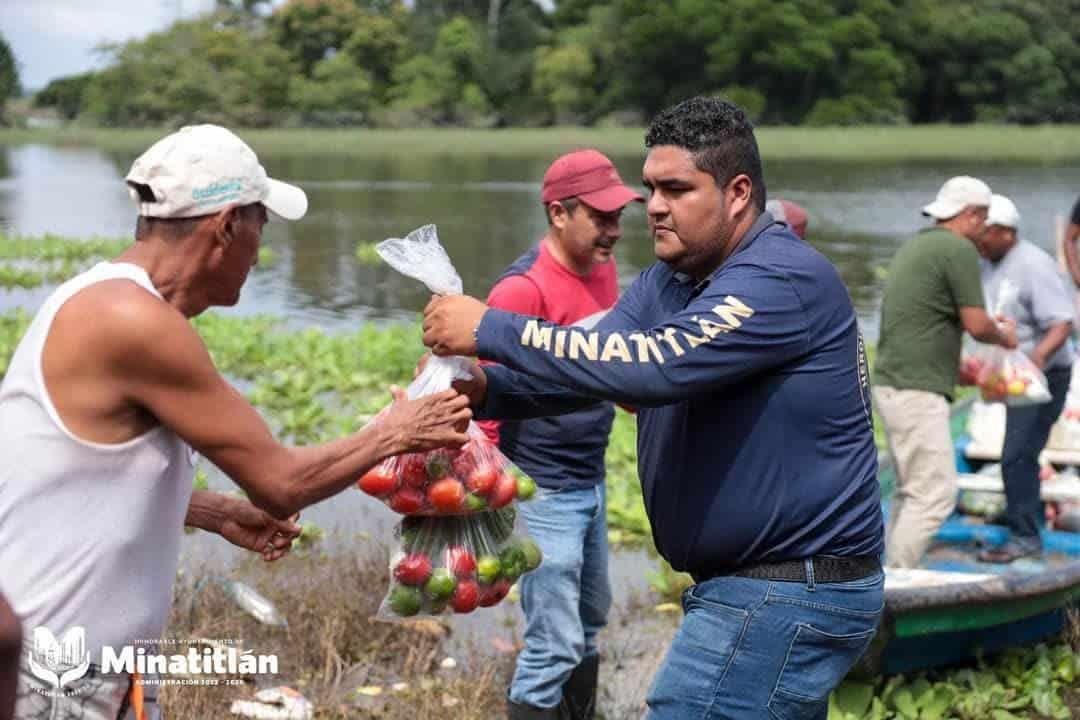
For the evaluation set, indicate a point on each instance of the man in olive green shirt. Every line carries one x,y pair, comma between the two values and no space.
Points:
932,295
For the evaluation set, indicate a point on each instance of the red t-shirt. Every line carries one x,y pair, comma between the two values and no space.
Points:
536,284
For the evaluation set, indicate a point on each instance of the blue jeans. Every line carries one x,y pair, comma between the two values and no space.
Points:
750,649
1026,430
566,600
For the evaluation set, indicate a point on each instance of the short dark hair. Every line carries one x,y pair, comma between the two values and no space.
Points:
570,204
720,137
174,229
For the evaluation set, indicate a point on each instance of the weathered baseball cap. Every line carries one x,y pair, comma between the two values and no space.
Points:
956,194
202,170
589,176
1003,212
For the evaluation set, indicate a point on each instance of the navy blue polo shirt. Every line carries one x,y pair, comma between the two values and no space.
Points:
755,432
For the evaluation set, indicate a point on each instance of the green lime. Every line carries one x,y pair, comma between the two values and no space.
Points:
512,561
405,600
440,585
488,569
474,502
526,487
533,556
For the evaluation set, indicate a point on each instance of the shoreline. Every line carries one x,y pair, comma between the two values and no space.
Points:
914,144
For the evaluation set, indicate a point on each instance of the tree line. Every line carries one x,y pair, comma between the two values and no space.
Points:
484,63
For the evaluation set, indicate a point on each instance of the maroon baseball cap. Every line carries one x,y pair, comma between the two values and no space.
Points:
590,177
788,212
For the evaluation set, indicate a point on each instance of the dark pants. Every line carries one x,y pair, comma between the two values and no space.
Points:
1026,431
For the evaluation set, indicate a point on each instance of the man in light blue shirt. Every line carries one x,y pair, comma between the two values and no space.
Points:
1022,282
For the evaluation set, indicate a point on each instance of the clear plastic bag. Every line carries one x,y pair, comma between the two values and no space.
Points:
1006,376
473,479
456,564
419,255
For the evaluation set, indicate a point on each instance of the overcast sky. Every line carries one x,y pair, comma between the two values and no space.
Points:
53,38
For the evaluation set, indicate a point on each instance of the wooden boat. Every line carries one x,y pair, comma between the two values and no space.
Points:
956,607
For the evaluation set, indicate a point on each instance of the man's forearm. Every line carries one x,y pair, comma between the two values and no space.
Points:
306,475
1051,342
207,510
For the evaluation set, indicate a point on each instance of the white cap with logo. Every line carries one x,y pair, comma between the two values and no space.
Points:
204,169
1003,212
956,194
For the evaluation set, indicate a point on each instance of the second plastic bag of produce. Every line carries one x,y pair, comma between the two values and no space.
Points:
1006,376
472,479
456,564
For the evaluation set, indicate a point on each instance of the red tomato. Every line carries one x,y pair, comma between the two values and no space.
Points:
494,593
446,495
482,479
407,501
504,492
378,481
460,561
466,596
413,470
464,460
413,569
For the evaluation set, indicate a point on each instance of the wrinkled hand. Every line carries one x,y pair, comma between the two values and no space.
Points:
1007,326
450,322
474,388
426,423
253,529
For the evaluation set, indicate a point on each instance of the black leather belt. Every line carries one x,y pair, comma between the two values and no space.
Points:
827,568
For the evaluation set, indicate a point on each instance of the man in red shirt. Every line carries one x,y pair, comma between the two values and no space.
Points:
568,278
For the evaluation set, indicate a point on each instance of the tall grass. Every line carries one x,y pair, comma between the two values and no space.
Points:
1046,144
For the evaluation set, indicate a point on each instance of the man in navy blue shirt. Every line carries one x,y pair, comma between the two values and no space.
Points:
755,441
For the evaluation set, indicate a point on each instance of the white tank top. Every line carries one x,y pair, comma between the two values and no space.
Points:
89,532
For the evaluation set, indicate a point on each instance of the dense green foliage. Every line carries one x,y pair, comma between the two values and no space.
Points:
509,62
9,76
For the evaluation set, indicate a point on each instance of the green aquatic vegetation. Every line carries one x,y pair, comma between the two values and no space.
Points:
366,253
30,262
13,325
627,522
50,248
310,536
1019,683
18,277
268,257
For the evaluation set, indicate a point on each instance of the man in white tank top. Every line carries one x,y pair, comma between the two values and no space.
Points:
107,398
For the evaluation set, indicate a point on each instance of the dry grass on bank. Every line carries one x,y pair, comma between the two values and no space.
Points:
333,646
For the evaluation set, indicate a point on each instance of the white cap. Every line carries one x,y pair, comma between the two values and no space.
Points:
1003,212
956,194
204,169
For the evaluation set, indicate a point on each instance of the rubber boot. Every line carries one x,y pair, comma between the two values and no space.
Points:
519,711
579,692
